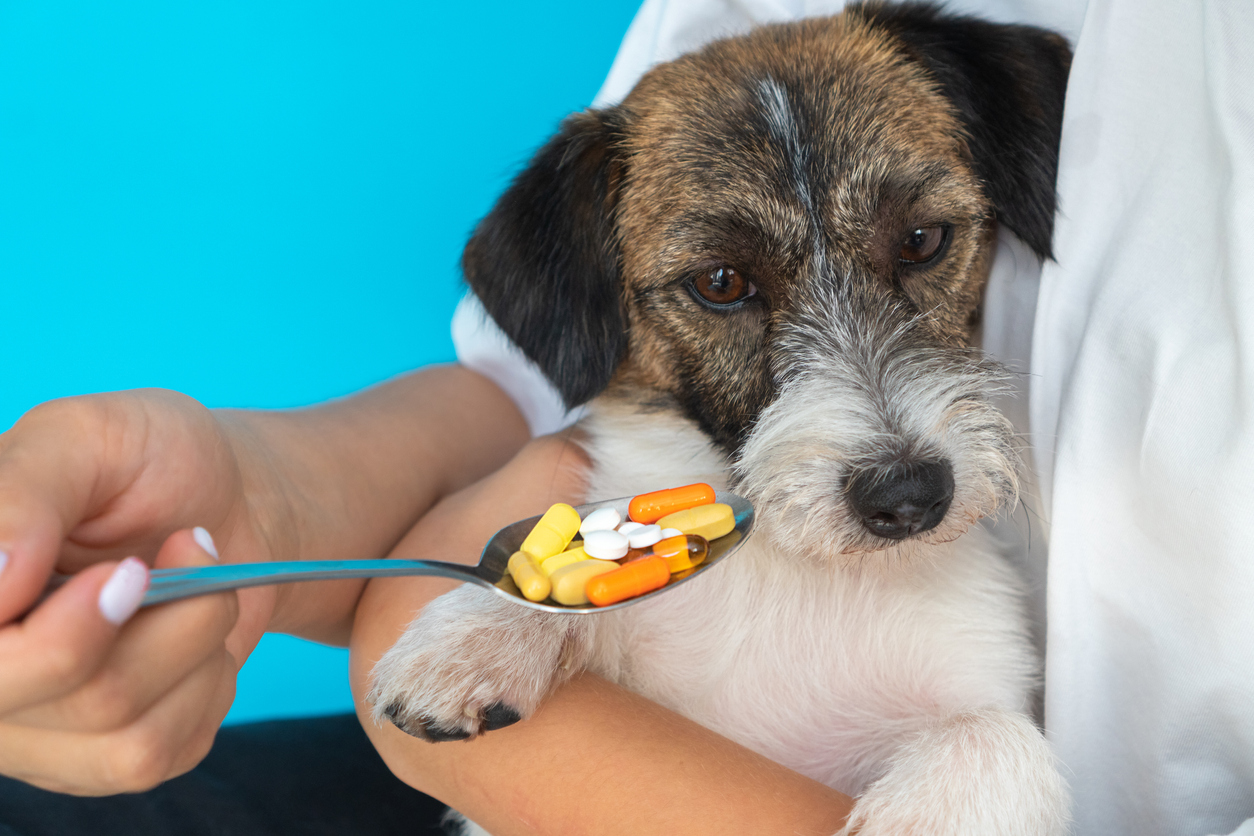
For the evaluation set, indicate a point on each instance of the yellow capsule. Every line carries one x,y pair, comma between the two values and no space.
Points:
551,564
553,533
527,575
569,582
709,521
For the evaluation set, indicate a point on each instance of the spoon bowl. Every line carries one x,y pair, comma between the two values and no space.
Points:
490,573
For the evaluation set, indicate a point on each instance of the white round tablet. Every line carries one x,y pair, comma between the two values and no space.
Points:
630,526
670,532
644,536
605,545
602,519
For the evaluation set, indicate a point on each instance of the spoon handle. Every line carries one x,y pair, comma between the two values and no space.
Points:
172,584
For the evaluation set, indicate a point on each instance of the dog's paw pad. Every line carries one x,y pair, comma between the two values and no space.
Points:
424,728
436,734
500,715
471,664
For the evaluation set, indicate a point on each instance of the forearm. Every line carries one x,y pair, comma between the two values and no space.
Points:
346,479
598,759
595,758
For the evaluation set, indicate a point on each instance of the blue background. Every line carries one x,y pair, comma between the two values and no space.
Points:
261,204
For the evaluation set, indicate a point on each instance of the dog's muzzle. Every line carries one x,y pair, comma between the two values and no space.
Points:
880,439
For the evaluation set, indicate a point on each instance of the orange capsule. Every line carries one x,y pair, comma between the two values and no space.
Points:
648,508
628,581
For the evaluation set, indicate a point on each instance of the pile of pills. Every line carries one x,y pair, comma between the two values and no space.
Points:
666,532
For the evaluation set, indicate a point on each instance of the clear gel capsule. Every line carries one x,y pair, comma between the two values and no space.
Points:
680,553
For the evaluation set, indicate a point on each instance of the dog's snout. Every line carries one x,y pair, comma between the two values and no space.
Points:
902,500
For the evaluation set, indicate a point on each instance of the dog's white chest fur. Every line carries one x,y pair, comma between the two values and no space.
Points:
822,668
902,676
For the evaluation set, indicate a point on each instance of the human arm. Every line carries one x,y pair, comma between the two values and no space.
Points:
595,758
91,707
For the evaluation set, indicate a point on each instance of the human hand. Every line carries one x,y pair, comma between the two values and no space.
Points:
85,482
96,699
93,701
99,478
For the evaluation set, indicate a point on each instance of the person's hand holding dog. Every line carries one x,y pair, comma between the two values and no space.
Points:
96,698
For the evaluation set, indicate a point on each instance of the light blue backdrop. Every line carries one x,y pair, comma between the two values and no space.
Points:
261,203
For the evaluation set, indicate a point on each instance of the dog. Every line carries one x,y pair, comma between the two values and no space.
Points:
764,270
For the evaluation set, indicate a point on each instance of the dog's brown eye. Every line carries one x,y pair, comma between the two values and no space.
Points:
924,244
723,286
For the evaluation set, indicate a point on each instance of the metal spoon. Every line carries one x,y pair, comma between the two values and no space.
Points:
172,584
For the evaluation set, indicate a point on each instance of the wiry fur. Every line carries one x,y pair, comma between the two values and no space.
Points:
896,670
493,660
860,391
874,680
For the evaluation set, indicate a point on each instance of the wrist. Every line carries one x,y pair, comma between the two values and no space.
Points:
347,479
283,519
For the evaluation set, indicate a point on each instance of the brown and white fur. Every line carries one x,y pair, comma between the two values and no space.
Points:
739,269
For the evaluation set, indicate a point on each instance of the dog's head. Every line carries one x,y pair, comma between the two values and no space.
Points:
786,236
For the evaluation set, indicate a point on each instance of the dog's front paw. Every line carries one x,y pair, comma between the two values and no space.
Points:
471,663
980,773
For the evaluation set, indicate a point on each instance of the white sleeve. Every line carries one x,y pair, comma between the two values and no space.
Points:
665,29
483,347
1246,829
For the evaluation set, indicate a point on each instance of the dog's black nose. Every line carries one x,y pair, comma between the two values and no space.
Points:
905,499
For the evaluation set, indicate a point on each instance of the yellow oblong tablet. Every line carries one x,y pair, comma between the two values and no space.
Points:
570,582
551,564
553,533
528,577
708,521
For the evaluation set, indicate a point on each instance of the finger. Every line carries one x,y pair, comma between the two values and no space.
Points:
157,649
49,470
30,538
199,742
133,759
66,639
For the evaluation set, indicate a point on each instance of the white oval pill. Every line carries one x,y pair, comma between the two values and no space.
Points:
602,519
644,536
628,527
670,532
605,545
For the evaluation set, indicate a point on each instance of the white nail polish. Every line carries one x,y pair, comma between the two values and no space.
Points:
4,560
121,594
205,540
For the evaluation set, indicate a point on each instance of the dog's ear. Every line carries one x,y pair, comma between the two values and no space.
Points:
545,260
1008,84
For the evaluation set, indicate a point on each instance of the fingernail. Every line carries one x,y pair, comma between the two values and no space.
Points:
121,594
205,540
4,560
